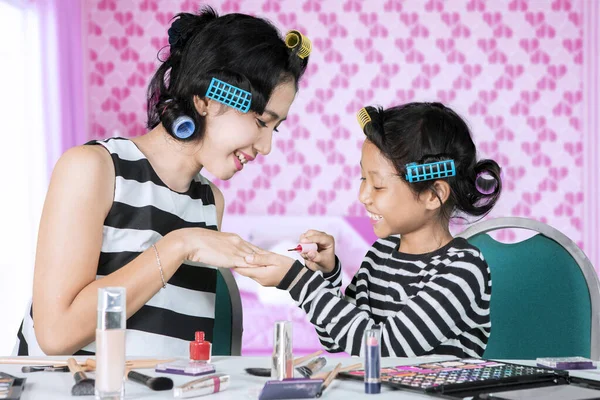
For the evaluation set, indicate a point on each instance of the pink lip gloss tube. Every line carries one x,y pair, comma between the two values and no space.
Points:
305,247
110,343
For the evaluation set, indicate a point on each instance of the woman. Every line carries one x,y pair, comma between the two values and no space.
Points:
128,213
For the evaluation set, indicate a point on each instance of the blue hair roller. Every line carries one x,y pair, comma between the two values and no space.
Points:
183,127
229,95
430,171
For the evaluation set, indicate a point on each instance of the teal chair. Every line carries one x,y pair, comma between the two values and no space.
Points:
228,329
545,293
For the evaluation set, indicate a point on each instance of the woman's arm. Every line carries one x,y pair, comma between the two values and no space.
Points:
219,204
69,243
65,288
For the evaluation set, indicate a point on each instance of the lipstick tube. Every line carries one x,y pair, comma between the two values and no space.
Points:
372,349
282,366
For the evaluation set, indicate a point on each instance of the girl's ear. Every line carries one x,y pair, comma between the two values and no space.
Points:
437,195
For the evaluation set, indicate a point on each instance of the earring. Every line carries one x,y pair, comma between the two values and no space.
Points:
204,114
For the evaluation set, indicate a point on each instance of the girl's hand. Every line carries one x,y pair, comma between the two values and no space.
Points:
221,249
268,268
324,258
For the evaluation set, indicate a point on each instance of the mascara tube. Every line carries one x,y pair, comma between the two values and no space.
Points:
372,349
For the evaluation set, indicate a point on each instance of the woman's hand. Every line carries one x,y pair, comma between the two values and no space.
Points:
267,268
324,258
221,249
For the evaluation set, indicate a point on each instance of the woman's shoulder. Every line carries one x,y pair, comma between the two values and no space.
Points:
89,159
85,172
122,148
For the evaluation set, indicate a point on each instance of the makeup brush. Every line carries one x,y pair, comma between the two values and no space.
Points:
266,372
83,385
329,379
44,368
142,363
312,367
132,364
303,359
323,375
155,383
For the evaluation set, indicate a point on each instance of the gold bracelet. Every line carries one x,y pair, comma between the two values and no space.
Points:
162,277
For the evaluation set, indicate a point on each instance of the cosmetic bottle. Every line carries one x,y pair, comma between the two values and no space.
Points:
372,348
282,366
110,343
200,349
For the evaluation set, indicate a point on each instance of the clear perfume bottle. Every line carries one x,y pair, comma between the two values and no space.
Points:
110,343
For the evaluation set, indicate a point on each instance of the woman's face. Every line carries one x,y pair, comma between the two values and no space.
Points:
233,139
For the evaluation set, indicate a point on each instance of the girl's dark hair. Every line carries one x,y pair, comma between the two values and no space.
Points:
242,50
430,132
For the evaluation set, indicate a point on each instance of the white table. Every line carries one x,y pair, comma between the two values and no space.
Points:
57,385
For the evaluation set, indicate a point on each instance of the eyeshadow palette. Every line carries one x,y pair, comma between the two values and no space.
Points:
460,375
10,386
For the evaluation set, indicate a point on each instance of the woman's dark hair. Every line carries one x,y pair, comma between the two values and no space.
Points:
430,132
239,49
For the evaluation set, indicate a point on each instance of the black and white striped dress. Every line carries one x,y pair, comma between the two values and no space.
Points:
144,210
436,303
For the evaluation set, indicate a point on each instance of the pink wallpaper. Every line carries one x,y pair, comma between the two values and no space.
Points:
513,69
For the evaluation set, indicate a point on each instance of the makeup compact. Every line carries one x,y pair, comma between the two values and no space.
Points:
299,388
185,367
566,363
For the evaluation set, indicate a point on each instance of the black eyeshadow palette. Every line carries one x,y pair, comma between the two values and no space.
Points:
464,375
11,387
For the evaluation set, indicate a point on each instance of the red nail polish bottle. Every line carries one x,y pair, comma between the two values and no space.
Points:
200,349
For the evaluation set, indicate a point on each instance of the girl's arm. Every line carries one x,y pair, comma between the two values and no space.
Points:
454,301
350,296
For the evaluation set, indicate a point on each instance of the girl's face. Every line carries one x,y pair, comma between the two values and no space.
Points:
392,206
233,139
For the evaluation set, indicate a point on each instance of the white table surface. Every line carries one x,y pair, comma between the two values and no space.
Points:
57,385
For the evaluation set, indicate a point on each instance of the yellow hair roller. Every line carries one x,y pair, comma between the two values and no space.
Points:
294,39
363,118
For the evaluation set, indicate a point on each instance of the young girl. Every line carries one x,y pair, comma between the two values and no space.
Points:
429,292
129,213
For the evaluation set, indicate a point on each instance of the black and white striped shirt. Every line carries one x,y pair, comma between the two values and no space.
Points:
143,211
435,303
